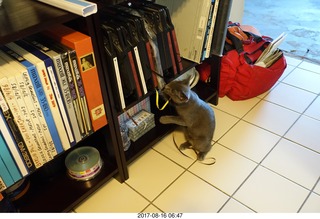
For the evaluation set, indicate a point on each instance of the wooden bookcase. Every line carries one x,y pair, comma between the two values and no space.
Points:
51,190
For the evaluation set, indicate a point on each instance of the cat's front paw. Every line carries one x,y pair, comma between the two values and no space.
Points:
164,120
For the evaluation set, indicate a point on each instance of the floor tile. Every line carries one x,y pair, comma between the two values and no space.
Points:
286,72
293,61
304,79
250,141
306,132
224,122
310,66
290,97
236,108
272,117
113,197
234,206
229,171
312,204
190,194
317,188
168,148
267,192
152,209
149,174
295,162
314,109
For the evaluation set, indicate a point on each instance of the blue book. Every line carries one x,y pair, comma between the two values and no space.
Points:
8,160
5,177
54,84
34,76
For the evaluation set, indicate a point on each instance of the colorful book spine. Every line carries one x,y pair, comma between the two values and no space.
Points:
89,73
14,130
12,146
80,92
74,96
14,100
24,97
48,90
55,52
34,76
51,73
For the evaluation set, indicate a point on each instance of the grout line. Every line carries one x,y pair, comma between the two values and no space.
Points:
311,191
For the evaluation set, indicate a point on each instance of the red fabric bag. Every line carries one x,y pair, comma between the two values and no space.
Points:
240,79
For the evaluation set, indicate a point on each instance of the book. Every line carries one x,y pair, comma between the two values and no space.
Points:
80,91
83,45
25,127
48,90
42,99
20,93
56,52
33,105
5,177
8,159
12,145
79,7
14,130
52,76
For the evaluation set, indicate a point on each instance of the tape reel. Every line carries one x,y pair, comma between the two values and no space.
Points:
83,163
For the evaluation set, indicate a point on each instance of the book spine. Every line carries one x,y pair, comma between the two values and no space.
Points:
80,92
9,160
30,113
64,87
28,53
58,78
11,100
43,126
7,114
5,177
213,21
61,105
83,45
18,88
12,146
73,92
37,84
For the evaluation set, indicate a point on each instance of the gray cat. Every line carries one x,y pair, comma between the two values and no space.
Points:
194,114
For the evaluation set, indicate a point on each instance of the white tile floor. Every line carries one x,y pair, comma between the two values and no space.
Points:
267,154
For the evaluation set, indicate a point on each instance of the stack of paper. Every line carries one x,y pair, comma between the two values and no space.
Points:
271,54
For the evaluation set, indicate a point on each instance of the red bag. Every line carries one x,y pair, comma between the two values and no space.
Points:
240,79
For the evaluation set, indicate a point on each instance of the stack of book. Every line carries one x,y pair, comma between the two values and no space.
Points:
50,99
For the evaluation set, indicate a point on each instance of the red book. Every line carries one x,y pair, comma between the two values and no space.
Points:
89,73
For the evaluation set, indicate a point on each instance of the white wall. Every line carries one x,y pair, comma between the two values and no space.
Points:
237,10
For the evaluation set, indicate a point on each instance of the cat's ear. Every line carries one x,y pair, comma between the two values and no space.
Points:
187,80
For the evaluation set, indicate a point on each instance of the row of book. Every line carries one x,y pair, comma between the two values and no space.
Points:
141,49
50,99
